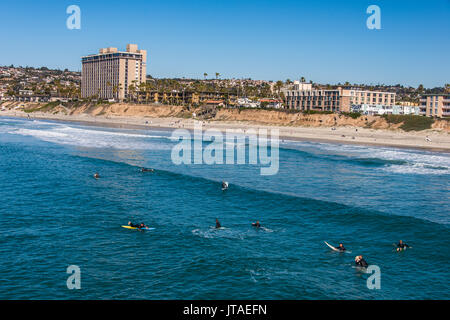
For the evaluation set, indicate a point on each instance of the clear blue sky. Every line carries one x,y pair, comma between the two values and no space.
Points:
324,41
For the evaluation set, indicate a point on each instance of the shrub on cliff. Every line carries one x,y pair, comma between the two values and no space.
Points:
410,122
316,112
353,115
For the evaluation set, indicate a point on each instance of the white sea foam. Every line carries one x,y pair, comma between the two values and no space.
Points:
68,135
416,161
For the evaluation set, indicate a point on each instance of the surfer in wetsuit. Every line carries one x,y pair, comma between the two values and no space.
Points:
147,170
341,247
256,224
359,260
133,225
402,246
218,226
224,185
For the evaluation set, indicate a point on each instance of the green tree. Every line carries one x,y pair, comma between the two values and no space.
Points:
420,88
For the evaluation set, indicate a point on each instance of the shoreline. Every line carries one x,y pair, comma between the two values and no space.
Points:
440,142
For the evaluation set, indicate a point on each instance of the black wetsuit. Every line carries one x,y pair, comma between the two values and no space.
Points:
402,246
218,225
257,225
362,263
341,248
134,225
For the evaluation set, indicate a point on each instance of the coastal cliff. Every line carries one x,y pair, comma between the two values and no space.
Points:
254,116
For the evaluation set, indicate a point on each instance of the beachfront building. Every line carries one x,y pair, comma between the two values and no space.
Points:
304,98
113,74
271,103
383,109
435,105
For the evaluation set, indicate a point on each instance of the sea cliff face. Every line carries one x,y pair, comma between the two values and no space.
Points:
257,116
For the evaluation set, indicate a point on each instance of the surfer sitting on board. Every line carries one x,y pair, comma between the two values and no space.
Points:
256,224
359,260
218,226
402,246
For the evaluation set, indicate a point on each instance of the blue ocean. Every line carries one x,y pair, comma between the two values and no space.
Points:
54,214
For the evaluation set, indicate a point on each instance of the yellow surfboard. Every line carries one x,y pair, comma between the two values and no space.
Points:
128,227
134,228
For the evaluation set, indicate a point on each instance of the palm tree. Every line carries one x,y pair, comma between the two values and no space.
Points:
278,86
205,75
132,89
119,89
108,85
217,75
115,89
302,79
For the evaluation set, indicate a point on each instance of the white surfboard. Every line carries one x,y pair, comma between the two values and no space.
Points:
331,247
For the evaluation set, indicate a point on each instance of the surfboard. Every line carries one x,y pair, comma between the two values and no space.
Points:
331,247
134,228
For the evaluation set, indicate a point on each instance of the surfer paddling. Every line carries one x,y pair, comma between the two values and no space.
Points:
139,226
256,224
339,248
133,225
147,170
360,262
402,246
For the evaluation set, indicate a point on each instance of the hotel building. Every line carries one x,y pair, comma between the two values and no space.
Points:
435,105
110,73
303,97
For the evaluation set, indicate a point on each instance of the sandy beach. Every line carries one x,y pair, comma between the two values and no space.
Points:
427,139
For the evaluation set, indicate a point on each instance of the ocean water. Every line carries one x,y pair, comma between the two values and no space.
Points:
53,214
